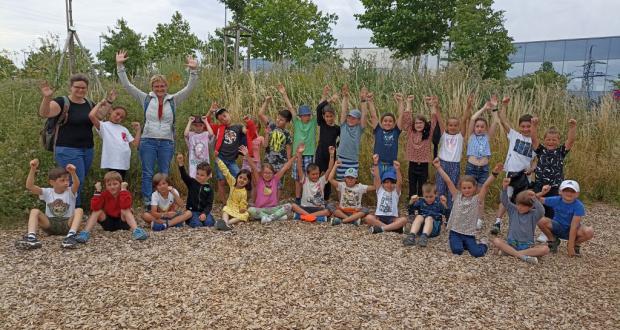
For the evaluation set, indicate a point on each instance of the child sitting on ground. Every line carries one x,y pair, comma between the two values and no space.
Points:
165,205
523,216
115,150
199,194
430,211
466,211
236,208
60,216
313,206
350,209
388,188
112,209
566,222
198,136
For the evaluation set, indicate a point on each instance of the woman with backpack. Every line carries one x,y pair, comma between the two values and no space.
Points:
72,132
157,142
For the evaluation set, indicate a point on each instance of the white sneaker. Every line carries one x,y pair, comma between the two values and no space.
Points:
542,238
265,219
479,224
284,218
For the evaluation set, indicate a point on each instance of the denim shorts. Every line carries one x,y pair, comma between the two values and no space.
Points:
519,246
560,231
480,173
386,219
232,167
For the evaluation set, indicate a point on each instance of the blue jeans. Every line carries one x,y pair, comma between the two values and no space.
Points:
459,243
81,158
154,151
195,222
480,173
232,166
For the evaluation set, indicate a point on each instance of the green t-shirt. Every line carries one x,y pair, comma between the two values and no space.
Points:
305,133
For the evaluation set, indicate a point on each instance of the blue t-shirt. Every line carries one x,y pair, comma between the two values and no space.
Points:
386,143
350,137
564,212
435,210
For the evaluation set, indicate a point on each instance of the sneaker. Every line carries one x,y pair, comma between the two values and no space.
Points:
357,222
484,241
542,238
221,225
423,240
479,224
530,260
70,242
409,240
577,251
28,243
139,234
335,221
265,219
82,237
283,218
158,226
553,245
375,229
321,218
496,228
296,216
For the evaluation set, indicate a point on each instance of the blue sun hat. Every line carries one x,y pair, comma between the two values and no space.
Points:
304,110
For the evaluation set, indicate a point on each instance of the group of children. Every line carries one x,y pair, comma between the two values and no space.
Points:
552,205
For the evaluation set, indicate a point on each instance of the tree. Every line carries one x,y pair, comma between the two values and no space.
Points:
289,29
480,39
122,37
173,40
237,7
408,28
7,67
545,76
213,49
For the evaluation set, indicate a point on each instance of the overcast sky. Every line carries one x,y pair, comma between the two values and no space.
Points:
22,22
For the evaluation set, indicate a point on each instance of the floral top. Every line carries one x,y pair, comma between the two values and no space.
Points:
417,150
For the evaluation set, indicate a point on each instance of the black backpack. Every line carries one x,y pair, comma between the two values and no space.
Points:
49,133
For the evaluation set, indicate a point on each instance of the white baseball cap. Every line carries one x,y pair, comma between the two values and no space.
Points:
572,184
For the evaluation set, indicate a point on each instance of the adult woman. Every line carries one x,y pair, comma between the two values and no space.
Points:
157,142
74,143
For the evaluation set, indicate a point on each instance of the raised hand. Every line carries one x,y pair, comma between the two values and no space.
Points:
180,159
345,90
300,148
191,119
112,95
202,217
398,97
410,98
334,98
498,167
413,199
326,90
506,182
493,101
545,189
375,159
46,90
214,107
243,150
98,186
432,101
363,93
572,123
268,99
136,126
192,63
470,100
370,97
506,100
70,168
281,88
535,121
436,163
396,165
337,163
34,164
531,194
124,185
443,199
332,150
121,56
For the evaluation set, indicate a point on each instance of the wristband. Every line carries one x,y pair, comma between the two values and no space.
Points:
495,110
108,101
495,174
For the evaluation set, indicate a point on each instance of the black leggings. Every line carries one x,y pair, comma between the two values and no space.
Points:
418,175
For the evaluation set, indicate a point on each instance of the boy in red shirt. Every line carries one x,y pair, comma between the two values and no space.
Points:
112,209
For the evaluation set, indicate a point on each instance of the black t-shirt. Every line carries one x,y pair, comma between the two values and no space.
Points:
77,132
231,142
328,135
550,168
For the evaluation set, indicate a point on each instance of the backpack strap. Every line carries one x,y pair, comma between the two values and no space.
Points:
63,117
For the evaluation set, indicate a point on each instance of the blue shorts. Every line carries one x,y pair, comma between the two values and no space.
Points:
436,226
305,160
519,246
560,231
232,167
386,219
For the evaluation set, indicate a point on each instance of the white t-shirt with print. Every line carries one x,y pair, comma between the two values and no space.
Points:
351,197
312,193
115,152
451,147
163,203
58,205
520,152
387,202
198,149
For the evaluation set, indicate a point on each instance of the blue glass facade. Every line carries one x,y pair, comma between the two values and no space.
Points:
568,57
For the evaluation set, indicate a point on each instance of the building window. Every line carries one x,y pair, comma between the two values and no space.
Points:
554,51
575,50
535,52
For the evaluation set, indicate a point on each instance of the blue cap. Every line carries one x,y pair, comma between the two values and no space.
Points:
390,174
304,110
350,172
355,113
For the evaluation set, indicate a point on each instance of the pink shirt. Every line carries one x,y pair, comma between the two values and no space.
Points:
417,150
267,192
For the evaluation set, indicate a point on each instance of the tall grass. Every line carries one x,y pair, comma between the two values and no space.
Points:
593,160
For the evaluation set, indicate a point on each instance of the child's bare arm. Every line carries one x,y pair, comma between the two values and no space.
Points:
261,113
288,103
502,114
325,93
332,158
75,186
487,184
572,235
246,155
494,123
534,133
344,105
572,134
332,175
433,102
364,107
446,178
137,134
188,126
300,164
34,165
286,166
375,171
400,100
467,114
399,176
